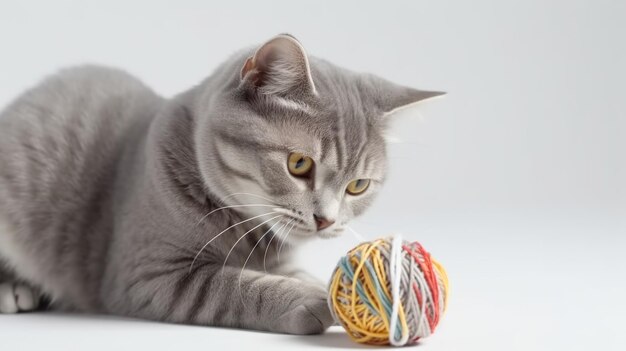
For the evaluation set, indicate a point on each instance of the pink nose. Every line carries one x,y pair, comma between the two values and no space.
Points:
322,223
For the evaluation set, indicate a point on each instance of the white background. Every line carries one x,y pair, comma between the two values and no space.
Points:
515,180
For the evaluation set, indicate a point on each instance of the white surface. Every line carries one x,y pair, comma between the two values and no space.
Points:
515,181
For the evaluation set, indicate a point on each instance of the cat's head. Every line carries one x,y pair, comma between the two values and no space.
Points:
295,140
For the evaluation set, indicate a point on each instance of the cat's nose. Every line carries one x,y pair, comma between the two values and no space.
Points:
322,223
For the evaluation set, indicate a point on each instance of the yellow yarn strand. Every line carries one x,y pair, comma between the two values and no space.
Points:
358,323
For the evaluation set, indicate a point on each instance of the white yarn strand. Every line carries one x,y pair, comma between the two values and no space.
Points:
395,272
423,328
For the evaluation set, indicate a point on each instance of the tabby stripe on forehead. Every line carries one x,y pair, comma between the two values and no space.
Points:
361,147
339,146
368,161
326,146
247,143
220,159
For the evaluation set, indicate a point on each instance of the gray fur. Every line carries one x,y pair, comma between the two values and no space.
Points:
105,187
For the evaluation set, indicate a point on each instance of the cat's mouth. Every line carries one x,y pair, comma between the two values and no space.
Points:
301,230
293,225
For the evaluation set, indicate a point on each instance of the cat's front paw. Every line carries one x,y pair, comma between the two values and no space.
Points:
309,315
16,298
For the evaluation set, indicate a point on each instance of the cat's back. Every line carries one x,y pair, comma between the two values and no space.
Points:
60,140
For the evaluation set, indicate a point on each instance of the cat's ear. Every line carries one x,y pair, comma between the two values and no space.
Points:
407,98
279,66
392,98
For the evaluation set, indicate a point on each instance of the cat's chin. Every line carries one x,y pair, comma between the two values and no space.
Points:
302,234
301,237
328,234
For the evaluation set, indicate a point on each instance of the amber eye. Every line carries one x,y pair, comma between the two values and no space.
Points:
299,165
358,186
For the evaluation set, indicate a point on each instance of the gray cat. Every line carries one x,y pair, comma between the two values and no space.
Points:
116,200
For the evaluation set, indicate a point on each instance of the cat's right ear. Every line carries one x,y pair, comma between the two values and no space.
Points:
279,67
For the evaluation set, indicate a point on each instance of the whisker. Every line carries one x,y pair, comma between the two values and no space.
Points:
249,194
222,232
284,240
270,243
251,251
359,237
298,225
290,214
243,236
231,206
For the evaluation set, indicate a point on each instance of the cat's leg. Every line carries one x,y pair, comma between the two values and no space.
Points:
292,271
16,297
227,296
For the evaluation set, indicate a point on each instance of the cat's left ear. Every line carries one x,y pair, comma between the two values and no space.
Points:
279,67
392,98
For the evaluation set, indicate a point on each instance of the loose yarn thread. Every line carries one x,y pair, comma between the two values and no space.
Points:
388,291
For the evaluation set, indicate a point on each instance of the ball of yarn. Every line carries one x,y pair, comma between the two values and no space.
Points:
388,291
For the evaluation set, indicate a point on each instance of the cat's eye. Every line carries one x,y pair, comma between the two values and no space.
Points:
299,165
358,186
